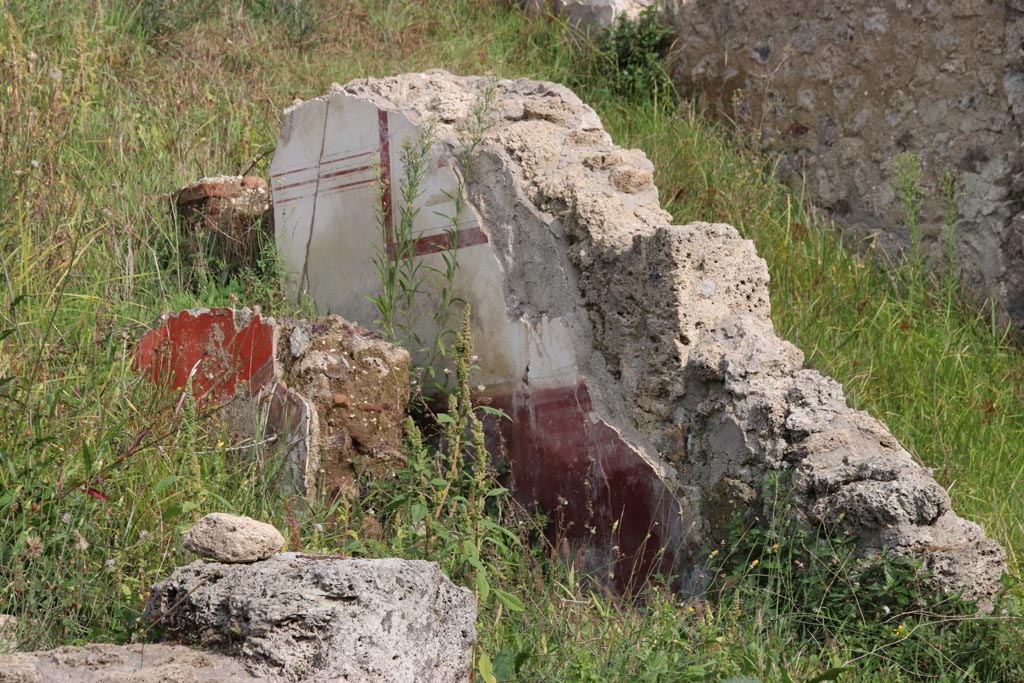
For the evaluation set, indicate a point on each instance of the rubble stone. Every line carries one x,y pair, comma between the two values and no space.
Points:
325,398
840,89
648,392
232,538
225,218
289,619
312,618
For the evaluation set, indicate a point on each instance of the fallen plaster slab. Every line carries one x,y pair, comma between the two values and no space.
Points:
326,399
651,400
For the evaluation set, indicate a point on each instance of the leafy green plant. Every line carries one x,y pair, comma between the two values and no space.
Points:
406,279
631,57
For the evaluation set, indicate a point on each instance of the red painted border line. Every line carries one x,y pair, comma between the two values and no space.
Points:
326,162
325,176
328,190
386,208
347,186
432,244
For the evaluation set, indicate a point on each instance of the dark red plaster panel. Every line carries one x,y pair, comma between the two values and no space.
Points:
599,493
227,357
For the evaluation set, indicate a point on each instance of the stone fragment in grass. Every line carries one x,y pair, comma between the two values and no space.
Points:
232,538
594,14
325,399
298,617
225,221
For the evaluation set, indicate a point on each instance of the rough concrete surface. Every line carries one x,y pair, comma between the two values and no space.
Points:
232,538
841,88
650,397
122,664
317,619
324,398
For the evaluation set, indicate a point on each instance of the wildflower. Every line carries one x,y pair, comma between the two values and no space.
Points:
755,563
34,163
714,553
220,444
82,544
34,546
143,535
319,528
899,630
111,564
775,547
65,518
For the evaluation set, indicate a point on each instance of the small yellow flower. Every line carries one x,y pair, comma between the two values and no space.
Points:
755,563
775,546
220,444
899,630
714,553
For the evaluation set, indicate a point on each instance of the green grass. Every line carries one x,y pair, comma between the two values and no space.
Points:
107,106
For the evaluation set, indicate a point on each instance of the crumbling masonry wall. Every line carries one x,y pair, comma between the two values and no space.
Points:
322,401
650,398
841,88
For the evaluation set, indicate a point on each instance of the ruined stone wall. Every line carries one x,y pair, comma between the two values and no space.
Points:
840,88
651,401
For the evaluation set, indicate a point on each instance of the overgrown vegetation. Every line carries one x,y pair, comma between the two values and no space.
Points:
105,106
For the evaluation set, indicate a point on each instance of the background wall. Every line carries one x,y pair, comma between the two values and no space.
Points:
841,88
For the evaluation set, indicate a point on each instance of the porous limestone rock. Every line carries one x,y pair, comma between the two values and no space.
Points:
316,619
139,663
289,619
636,358
232,538
839,89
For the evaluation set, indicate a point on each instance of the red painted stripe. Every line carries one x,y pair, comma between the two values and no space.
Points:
335,188
326,162
347,186
386,204
325,176
432,244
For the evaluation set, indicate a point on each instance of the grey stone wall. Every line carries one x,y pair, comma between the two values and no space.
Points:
840,88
